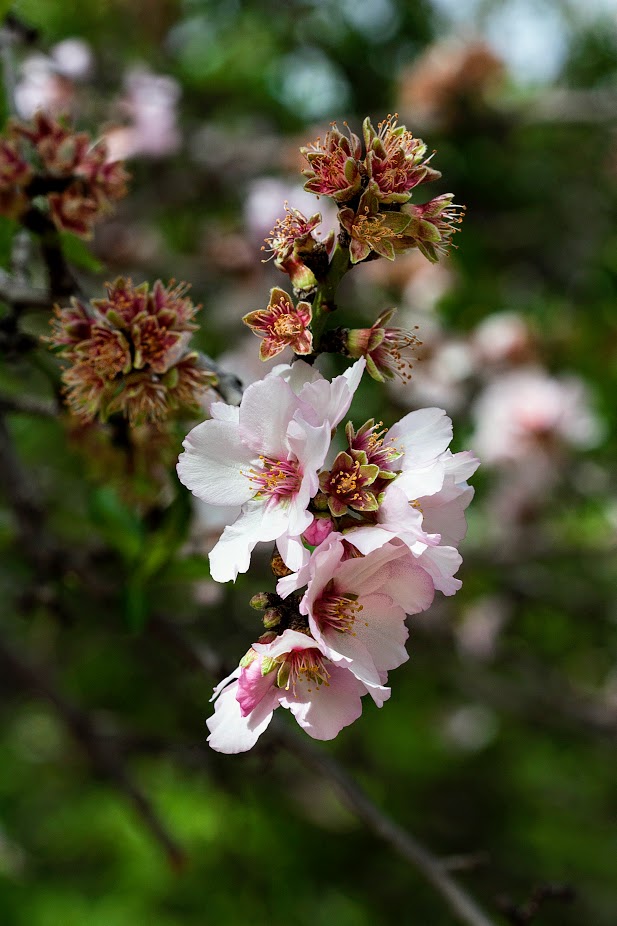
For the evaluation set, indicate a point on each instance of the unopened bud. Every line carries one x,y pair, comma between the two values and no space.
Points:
260,601
272,618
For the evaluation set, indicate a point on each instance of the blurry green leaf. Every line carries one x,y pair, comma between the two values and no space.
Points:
189,569
77,252
136,603
120,526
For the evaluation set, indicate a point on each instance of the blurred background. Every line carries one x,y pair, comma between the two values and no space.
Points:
498,744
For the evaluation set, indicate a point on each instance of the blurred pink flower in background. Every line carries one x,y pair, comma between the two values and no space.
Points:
526,410
150,103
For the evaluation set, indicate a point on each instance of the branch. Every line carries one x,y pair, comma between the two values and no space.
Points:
100,749
28,405
355,799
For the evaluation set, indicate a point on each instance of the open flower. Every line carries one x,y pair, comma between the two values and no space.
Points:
292,242
387,350
264,456
395,160
356,606
334,165
281,325
288,671
370,229
432,226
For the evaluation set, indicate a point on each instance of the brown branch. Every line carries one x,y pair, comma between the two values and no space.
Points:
99,748
355,799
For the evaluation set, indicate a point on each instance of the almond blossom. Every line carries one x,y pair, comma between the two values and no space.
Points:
265,456
281,325
356,607
289,671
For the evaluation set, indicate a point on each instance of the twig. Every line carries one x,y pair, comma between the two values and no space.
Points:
27,405
356,800
229,387
30,519
99,748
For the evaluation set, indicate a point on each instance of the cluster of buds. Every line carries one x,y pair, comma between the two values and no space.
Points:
44,164
373,189
129,353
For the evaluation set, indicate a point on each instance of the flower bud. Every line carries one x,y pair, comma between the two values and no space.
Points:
260,601
272,618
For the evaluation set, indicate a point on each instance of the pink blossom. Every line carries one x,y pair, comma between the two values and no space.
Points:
356,606
527,411
265,456
289,671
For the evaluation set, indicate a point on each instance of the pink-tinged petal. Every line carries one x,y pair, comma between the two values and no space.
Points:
442,563
230,732
221,411
422,435
214,464
230,678
444,512
289,640
330,401
257,522
297,374
348,652
367,539
462,466
296,557
270,347
417,482
409,585
368,574
266,410
253,686
325,710
310,446
303,344
381,628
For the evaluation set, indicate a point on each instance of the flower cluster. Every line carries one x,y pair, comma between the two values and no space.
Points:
129,353
373,186
363,536
49,165
370,538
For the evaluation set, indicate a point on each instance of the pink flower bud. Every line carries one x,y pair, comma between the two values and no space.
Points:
318,531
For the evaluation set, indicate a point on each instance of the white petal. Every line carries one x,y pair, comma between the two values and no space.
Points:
224,412
325,710
330,401
257,522
266,410
422,435
230,732
214,464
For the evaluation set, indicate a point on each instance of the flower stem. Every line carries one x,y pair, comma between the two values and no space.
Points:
323,303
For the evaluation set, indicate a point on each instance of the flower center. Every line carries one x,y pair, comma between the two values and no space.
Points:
286,326
300,666
278,478
338,612
344,482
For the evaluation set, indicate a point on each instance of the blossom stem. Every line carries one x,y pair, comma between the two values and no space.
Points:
323,303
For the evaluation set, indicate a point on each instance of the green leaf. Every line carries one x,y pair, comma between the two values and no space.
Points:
77,252
120,527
